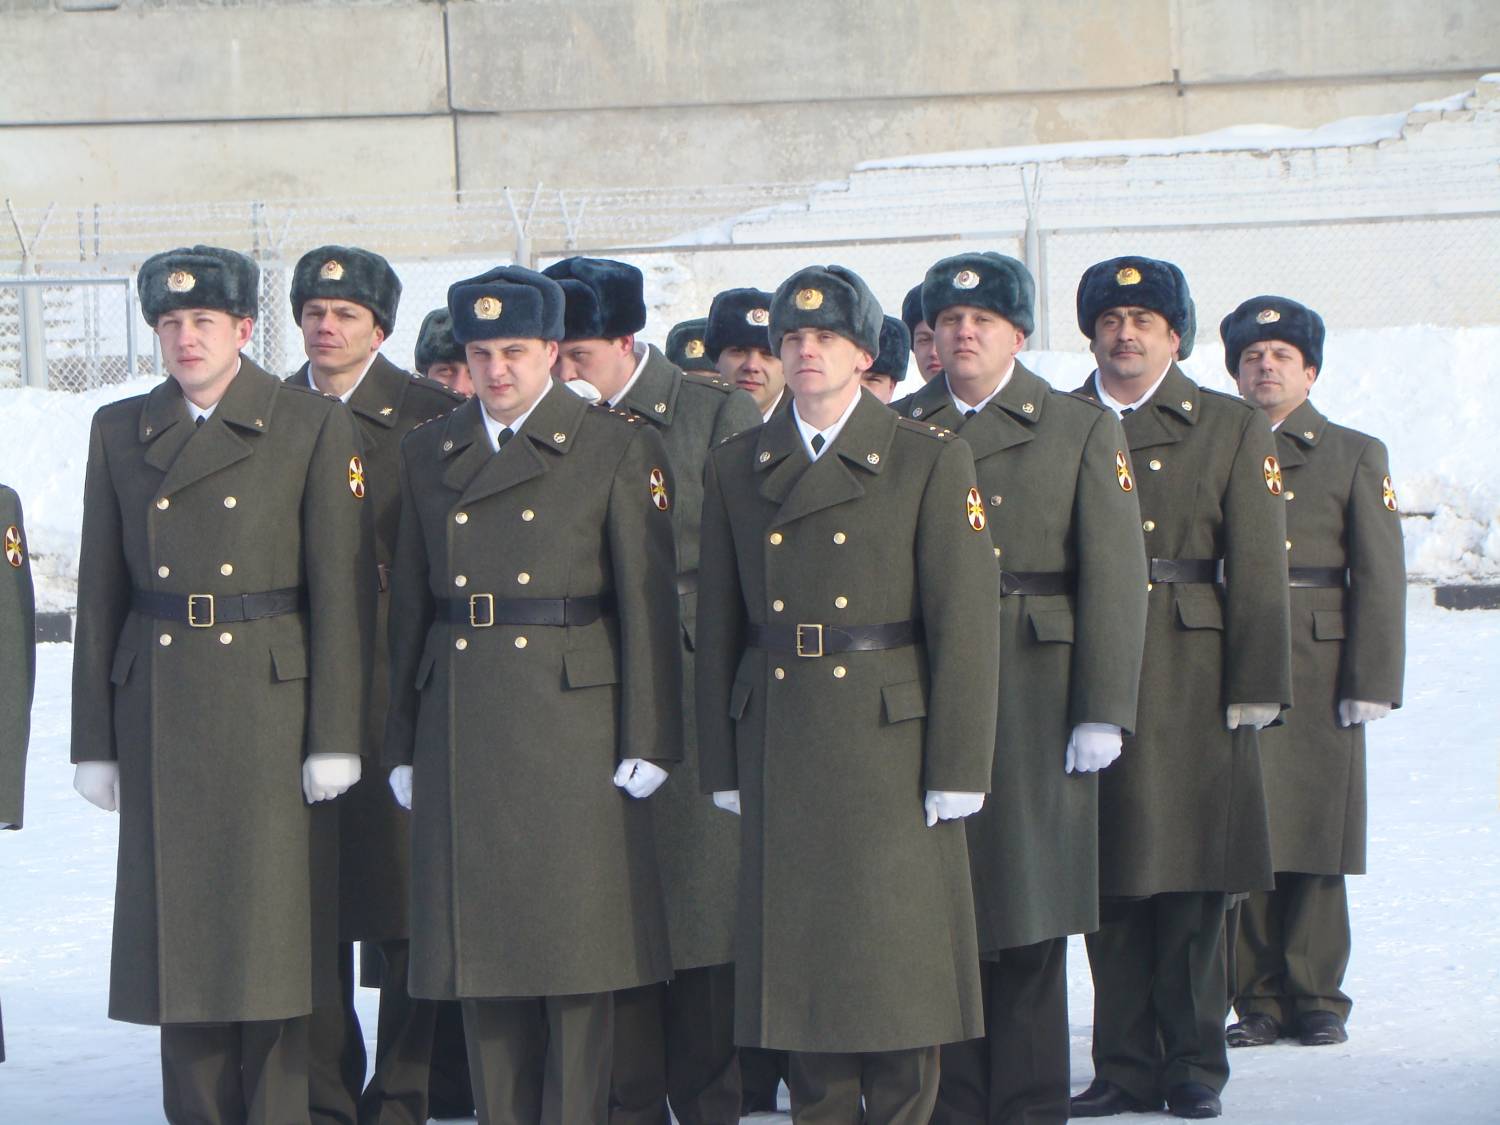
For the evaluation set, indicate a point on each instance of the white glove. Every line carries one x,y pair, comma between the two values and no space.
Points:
728,800
401,786
1254,715
639,777
945,804
99,784
1091,747
1354,711
325,776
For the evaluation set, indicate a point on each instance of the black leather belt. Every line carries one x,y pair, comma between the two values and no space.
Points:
202,611
1035,583
1185,570
687,583
1317,576
818,639
481,611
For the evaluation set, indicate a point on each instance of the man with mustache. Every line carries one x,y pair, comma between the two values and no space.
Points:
738,341
1066,529
1348,579
1182,815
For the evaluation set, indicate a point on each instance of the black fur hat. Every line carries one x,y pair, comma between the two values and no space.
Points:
198,277
738,318
895,350
435,342
1272,318
605,299
509,302
1134,282
831,297
986,280
687,346
911,309
347,273
1189,334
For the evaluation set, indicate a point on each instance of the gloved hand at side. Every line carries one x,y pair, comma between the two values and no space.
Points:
1091,747
728,800
401,786
1355,711
639,777
99,784
945,804
325,776
1254,715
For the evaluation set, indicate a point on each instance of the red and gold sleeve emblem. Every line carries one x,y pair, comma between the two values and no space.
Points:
1271,469
357,478
1387,497
1122,472
658,483
15,550
975,508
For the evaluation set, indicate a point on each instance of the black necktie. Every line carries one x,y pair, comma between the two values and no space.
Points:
970,412
201,419
502,437
1127,410
818,442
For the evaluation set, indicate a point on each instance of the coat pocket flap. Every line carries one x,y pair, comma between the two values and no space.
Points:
903,701
1328,624
739,699
591,667
120,671
289,662
1052,624
1200,613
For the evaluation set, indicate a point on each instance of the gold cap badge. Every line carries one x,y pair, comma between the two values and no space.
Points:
1267,316
15,553
357,478
488,308
966,279
658,484
1128,276
180,281
975,507
1122,472
809,299
333,270
693,349
762,317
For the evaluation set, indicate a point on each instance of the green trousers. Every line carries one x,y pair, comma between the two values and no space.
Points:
897,1087
249,1073
540,1060
1291,947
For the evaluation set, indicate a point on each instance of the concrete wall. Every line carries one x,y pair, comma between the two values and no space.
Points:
176,100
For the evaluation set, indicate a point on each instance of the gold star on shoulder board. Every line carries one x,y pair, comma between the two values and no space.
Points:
387,411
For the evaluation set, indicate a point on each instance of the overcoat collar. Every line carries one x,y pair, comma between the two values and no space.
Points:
188,453
799,486
1166,418
654,394
1007,420
1299,432
378,397
475,470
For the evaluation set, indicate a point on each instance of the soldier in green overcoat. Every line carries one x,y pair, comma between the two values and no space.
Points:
345,300
737,340
225,615
439,357
536,696
685,346
847,659
1066,530
1182,816
672,1041
1348,596
17,666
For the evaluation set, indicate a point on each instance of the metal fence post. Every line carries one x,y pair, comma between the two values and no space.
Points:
33,331
132,345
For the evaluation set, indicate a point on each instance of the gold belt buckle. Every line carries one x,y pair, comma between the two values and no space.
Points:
192,607
817,632
477,600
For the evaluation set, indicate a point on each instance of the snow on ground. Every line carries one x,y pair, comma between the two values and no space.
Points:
1425,976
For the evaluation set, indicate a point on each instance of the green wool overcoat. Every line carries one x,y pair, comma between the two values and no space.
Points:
220,896
1047,471
1183,809
1347,643
532,874
855,928
17,658
697,845
374,831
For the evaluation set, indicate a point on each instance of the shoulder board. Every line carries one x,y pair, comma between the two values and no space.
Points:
739,435
614,411
942,433
698,379
1226,397
1083,398
440,388
424,421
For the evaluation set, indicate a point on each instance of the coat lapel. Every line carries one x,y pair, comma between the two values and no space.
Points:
550,430
1299,433
1168,416
654,394
220,442
862,447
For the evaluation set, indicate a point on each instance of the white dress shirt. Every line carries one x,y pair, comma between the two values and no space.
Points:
1120,407
493,426
808,433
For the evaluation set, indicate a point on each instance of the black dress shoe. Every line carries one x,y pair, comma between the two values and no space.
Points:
1255,1030
1320,1029
1193,1099
1104,1099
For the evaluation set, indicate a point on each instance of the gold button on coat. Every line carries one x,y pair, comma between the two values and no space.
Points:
839,537
1149,525
523,578
775,538
781,673
163,571
165,639
460,579
996,500
778,605
230,501
461,644
226,569
528,515
520,642
462,517
839,672
163,504
840,602
225,638
1155,465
